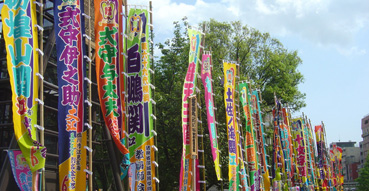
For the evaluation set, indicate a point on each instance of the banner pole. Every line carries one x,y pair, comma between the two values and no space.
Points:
41,84
125,50
199,102
153,92
90,177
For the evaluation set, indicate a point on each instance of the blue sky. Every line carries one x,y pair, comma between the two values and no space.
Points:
332,38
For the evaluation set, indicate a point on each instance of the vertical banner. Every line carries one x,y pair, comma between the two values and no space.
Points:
188,90
139,105
20,33
260,137
250,145
206,78
109,67
301,152
71,68
288,146
21,171
229,101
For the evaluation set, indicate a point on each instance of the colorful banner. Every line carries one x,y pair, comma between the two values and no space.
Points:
260,137
301,153
189,86
139,105
20,33
71,68
206,78
250,146
229,101
109,67
21,171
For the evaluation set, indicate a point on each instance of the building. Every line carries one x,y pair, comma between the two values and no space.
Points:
364,145
350,162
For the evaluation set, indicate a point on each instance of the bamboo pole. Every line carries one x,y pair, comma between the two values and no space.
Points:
41,84
125,48
153,92
90,177
199,102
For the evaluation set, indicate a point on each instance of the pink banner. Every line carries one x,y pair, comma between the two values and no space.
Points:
209,100
21,171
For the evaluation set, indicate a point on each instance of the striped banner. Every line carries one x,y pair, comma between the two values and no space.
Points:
250,146
109,67
206,78
71,69
20,33
140,122
260,137
229,101
189,86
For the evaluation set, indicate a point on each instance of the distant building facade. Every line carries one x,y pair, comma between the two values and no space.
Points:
364,145
350,161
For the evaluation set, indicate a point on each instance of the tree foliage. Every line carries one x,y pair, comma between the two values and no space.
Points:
363,178
263,60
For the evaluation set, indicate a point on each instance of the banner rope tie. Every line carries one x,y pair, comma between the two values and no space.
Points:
198,135
153,116
88,148
40,51
125,132
39,4
152,101
88,126
156,180
202,181
88,103
88,80
39,101
155,163
152,71
200,166
88,172
86,16
39,27
152,86
40,76
39,127
125,74
154,132
87,58
86,36
154,147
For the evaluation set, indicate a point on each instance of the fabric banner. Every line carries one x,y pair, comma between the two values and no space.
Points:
139,105
20,33
21,171
206,78
289,148
189,86
260,137
250,146
301,154
229,101
71,68
109,67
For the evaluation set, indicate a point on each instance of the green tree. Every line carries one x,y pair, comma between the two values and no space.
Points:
263,60
363,179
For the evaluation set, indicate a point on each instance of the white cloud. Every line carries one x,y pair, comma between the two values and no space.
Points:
322,22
